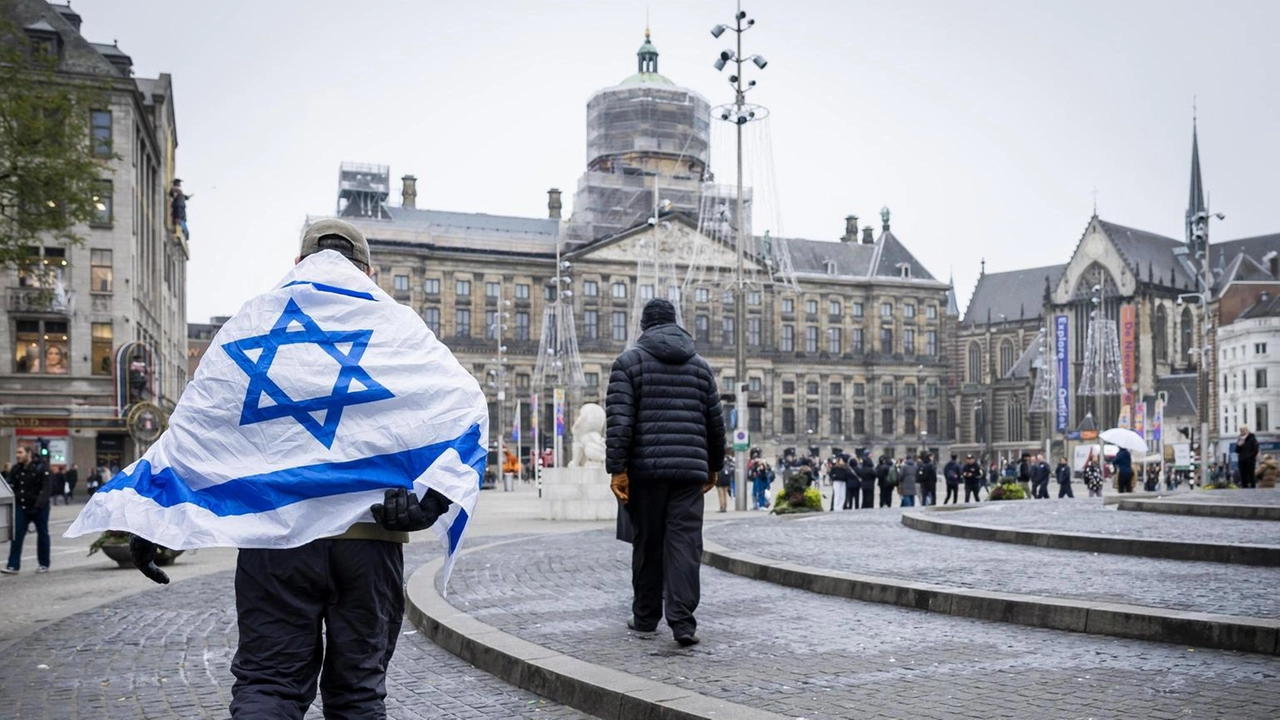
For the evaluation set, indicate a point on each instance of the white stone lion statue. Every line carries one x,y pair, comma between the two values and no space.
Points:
588,437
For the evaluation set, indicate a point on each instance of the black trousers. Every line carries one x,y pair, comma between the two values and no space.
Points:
851,498
1248,470
971,486
953,494
886,496
1064,490
868,495
329,610
666,555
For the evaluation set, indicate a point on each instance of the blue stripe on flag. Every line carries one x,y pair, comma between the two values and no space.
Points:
274,490
333,289
455,530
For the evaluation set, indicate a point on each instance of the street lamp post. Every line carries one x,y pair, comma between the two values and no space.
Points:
499,376
739,114
1200,236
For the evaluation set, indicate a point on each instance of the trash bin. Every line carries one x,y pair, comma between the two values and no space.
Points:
506,482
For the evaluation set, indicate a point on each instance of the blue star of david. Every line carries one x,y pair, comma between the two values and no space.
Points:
304,411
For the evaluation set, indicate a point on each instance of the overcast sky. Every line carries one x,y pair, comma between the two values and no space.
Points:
984,126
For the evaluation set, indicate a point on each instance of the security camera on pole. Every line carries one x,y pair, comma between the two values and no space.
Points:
739,113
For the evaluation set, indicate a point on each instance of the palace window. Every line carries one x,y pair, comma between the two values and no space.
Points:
787,342
591,325
619,325
431,316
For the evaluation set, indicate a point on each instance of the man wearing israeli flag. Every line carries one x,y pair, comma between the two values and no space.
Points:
320,415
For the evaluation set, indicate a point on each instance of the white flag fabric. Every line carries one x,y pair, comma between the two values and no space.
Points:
310,403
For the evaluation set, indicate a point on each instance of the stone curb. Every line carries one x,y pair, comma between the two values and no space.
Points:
603,692
1240,554
1214,510
1255,635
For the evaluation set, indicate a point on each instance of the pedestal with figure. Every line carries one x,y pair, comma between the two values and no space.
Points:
581,490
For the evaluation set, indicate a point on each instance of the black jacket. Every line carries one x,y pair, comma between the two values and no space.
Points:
1063,472
866,474
928,474
31,485
1247,451
842,473
665,423
952,473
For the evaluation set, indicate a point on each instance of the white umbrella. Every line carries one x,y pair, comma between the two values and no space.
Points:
1125,438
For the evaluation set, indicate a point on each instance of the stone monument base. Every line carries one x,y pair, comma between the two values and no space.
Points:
577,493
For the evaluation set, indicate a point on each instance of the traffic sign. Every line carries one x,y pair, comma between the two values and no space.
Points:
740,442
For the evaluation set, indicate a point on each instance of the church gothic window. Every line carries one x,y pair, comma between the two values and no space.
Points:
1006,357
1160,340
975,362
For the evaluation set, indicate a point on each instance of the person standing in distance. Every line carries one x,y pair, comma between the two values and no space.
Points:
972,474
1247,456
1063,474
352,585
32,488
666,442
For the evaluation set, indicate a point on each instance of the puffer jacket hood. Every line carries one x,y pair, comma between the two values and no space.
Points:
668,343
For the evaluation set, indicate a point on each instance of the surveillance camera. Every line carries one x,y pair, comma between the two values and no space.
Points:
653,221
718,30
759,61
724,116
1179,302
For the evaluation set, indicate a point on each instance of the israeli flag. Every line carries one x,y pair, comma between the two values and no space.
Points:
310,403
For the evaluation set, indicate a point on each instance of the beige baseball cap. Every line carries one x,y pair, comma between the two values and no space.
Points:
338,228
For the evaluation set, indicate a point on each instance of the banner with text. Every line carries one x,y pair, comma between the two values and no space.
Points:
1063,409
1128,355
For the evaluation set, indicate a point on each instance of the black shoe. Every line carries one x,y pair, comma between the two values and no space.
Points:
633,625
687,640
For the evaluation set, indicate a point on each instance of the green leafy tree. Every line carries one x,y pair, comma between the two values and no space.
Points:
50,169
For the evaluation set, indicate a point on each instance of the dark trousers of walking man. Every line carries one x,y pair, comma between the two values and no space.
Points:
1064,490
953,494
666,554
971,487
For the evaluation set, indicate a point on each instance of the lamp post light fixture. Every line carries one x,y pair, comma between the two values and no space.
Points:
739,113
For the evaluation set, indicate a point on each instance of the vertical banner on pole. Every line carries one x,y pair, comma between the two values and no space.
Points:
537,442
515,440
558,440
1140,419
1157,422
559,401
1128,331
1061,347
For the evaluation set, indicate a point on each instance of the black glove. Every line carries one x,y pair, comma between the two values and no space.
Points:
400,511
143,552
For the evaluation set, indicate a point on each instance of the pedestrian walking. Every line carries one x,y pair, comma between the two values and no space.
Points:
1024,475
841,480
1247,457
928,478
867,477
971,473
70,478
724,481
1063,474
1123,464
328,613
907,477
853,482
951,474
32,489
1092,476
1040,477
666,439
887,479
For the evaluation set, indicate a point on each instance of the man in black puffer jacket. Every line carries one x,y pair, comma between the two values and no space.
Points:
666,441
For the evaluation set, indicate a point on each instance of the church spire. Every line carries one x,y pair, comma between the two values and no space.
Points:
1195,200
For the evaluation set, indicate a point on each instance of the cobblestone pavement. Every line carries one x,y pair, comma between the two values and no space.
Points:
165,653
816,656
1090,516
1261,496
875,542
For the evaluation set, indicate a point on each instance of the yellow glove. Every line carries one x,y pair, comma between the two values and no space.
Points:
711,482
620,484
